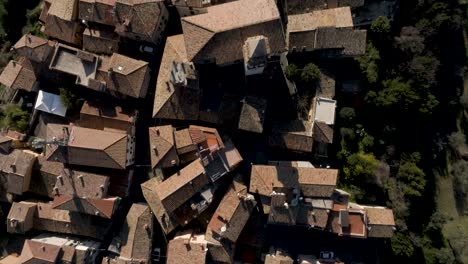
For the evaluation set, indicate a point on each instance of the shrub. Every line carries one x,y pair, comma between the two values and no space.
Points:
310,73
15,118
293,73
381,25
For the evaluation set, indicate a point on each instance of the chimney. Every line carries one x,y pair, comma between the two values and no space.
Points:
155,151
13,167
60,178
110,73
43,248
56,190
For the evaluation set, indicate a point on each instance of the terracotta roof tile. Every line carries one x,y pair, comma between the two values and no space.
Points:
139,17
99,207
79,184
323,132
335,17
187,249
88,147
128,76
21,210
253,114
379,216
99,11
192,171
34,251
18,162
232,214
206,137
175,101
206,34
162,146
326,86
136,234
235,14
101,115
183,141
100,40
64,9
30,41
15,76
294,135
265,177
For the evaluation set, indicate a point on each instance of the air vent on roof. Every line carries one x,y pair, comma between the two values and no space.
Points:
178,75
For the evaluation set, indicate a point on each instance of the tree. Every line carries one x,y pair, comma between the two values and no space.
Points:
381,25
445,256
464,101
410,41
310,73
293,73
460,182
412,178
368,63
399,95
423,70
401,245
347,114
360,167
437,221
69,99
304,102
456,140
366,142
32,25
15,118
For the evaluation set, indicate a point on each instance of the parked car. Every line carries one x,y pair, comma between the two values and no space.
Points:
327,255
146,49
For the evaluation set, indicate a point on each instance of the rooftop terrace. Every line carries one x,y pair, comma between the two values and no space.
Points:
79,63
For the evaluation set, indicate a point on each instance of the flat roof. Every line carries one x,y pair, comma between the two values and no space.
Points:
335,17
325,110
76,62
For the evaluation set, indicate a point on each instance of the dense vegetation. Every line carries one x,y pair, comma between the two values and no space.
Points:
16,17
391,145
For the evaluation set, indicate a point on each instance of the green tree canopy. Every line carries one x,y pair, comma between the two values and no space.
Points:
310,73
410,41
381,25
401,245
69,99
360,167
293,73
456,140
16,118
347,114
413,179
368,63
401,96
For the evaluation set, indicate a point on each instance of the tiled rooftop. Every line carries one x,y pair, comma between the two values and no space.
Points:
264,178
335,17
236,14
187,248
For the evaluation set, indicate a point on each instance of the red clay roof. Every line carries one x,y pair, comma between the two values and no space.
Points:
39,252
265,177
